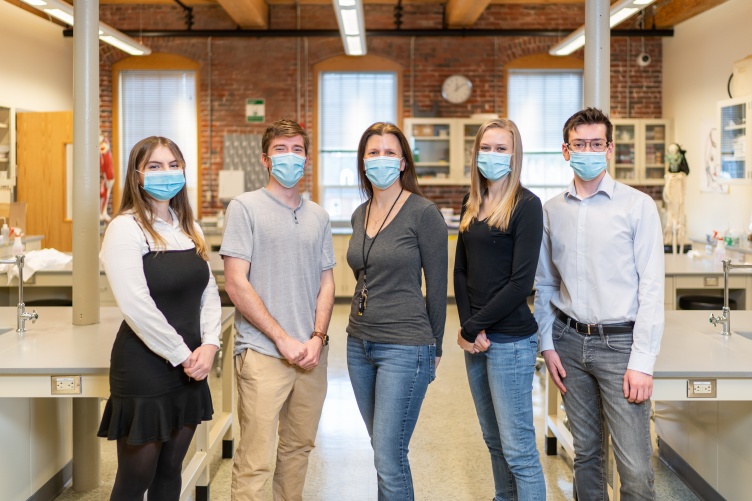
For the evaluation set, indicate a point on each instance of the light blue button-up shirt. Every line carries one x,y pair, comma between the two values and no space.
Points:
602,262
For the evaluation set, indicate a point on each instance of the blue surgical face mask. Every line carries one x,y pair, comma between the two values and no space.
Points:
588,164
287,168
493,165
383,171
164,184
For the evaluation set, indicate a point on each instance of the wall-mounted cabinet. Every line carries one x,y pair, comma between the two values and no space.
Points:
736,140
640,150
442,148
7,147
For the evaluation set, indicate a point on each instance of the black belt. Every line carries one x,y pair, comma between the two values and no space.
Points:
588,329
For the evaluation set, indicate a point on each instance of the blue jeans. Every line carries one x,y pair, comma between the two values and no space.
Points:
389,382
595,367
501,382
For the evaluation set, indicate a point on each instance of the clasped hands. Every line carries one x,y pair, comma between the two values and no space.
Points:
304,355
481,342
199,364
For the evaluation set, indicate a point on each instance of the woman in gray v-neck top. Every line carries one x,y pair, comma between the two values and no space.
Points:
395,335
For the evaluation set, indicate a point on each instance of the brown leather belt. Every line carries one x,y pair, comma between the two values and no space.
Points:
590,329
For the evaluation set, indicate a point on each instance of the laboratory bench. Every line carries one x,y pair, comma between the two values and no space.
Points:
31,368
704,276
705,438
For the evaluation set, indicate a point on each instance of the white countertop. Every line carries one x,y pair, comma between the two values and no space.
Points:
682,264
693,347
54,345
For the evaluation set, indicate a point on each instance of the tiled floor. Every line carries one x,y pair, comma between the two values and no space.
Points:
448,457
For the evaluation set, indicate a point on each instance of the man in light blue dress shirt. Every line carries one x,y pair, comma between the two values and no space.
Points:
599,307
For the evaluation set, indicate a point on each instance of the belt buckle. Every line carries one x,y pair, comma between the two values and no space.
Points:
589,327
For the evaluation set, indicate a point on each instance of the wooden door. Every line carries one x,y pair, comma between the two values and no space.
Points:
42,182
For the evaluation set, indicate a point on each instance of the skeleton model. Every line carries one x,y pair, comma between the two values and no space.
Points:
106,177
673,197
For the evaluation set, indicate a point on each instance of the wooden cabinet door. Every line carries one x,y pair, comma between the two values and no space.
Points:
41,158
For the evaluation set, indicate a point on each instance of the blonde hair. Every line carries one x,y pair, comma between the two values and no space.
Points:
137,200
502,213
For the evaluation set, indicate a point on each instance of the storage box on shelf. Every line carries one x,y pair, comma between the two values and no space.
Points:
640,150
736,140
442,148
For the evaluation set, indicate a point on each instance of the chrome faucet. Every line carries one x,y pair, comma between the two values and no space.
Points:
725,318
22,315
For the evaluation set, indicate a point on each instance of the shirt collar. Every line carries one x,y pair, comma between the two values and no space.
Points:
175,222
606,187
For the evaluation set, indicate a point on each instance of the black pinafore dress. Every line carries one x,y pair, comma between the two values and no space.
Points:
149,398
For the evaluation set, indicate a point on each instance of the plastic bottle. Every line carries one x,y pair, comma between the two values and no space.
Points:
5,239
720,251
18,247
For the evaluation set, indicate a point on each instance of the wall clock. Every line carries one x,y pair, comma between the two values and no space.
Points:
456,89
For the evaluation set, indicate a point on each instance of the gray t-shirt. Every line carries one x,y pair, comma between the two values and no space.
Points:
396,313
288,250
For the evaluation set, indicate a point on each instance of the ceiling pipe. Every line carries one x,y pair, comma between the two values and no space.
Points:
374,33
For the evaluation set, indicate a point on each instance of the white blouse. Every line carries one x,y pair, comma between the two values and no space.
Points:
123,248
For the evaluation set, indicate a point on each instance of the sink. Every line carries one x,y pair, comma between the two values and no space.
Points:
3,330
747,334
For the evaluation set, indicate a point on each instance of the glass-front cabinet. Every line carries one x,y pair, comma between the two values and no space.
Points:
640,150
442,148
735,140
7,148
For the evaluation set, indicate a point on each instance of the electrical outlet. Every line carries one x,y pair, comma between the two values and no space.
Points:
701,388
65,385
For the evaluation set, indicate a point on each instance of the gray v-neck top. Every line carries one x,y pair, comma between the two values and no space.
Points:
412,244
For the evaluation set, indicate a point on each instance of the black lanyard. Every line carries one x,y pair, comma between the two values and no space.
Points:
364,291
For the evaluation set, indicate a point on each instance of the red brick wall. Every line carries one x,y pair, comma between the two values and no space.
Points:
239,68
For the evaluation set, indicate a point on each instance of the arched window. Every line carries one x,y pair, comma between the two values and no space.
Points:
542,92
351,94
156,95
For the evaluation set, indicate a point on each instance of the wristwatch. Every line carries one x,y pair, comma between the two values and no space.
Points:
321,335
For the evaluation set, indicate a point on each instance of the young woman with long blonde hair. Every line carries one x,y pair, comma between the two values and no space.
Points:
497,253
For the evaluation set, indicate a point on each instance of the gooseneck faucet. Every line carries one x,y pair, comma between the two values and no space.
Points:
22,315
725,317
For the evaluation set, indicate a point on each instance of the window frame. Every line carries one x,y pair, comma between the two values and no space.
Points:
154,62
540,62
348,64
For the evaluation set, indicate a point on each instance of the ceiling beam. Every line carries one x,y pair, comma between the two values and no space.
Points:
464,13
674,12
247,13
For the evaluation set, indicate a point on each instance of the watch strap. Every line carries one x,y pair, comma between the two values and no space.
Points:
321,335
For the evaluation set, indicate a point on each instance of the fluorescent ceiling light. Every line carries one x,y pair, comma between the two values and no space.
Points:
618,17
351,26
64,12
619,12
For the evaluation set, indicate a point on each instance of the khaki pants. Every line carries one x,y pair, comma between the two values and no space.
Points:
275,396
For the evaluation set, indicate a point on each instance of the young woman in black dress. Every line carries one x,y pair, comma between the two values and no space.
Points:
156,261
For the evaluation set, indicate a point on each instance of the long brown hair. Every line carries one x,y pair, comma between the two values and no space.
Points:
137,200
502,213
408,177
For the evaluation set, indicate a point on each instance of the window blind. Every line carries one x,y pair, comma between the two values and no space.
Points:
349,103
540,102
160,103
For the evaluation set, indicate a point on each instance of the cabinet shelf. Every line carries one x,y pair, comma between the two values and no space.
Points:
431,138
441,160
735,141
643,142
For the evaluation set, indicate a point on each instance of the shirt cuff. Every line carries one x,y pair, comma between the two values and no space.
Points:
467,336
178,356
641,362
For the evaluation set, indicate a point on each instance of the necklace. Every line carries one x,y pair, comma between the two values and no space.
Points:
364,290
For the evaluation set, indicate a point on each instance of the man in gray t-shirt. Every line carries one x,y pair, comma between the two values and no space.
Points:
278,258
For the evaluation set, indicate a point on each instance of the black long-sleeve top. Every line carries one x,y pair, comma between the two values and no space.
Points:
494,272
